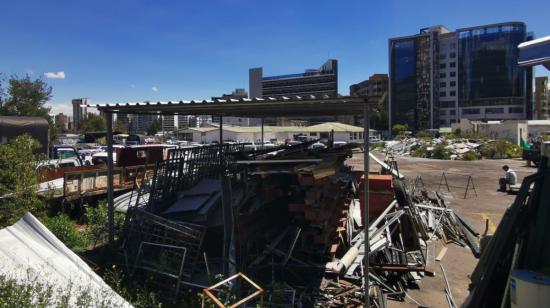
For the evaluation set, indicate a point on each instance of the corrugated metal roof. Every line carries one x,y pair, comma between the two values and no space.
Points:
324,127
309,105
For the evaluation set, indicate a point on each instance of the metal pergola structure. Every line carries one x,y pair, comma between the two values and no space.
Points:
295,106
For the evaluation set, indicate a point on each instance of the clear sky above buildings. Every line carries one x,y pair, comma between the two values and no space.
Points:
126,50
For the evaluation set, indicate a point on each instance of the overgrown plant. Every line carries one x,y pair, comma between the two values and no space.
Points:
18,180
65,230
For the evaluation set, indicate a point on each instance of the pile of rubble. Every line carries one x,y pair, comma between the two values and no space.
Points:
290,217
457,147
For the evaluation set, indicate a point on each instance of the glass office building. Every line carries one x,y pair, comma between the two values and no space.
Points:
438,77
491,81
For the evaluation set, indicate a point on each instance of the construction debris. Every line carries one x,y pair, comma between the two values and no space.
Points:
458,147
291,218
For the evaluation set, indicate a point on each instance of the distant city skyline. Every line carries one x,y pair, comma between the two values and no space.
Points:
135,50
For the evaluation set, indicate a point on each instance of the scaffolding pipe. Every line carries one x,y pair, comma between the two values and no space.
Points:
366,160
110,188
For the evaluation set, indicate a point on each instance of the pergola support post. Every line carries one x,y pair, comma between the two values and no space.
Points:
110,182
366,161
262,132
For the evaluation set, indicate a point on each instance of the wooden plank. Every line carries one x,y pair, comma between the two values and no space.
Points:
441,254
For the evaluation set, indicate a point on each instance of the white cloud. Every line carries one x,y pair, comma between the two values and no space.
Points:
155,89
30,72
54,75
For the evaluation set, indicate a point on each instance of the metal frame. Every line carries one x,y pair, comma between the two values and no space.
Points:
250,107
443,181
259,292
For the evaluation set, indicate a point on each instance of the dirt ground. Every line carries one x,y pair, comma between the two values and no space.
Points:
490,204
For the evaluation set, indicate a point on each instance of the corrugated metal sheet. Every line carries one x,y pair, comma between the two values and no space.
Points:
29,246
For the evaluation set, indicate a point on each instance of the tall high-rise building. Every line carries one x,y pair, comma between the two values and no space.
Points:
321,81
62,121
141,122
541,110
438,77
80,111
318,82
376,85
168,122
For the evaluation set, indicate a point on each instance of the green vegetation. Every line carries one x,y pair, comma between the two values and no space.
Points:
27,97
65,230
469,156
31,292
18,180
440,152
98,226
500,148
420,151
154,127
93,123
399,129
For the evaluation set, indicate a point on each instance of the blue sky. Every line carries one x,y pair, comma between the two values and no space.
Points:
124,50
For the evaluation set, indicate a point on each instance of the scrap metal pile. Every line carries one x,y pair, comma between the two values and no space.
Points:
458,147
289,217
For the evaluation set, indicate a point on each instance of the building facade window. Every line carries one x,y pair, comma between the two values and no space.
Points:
494,110
452,112
452,64
453,74
471,111
443,84
442,94
453,83
442,75
442,65
515,109
453,55
452,93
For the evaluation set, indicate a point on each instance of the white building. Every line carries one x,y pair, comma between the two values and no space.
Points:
342,132
511,130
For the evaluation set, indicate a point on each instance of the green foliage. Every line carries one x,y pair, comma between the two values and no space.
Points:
500,148
458,132
27,97
18,180
469,156
424,134
119,126
31,292
399,129
133,293
379,145
98,222
93,123
420,151
154,127
65,230
440,152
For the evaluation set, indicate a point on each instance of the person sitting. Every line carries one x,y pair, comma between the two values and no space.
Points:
510,178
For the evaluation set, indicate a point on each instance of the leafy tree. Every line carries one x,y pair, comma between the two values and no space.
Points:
120,126
27,97
399,129
18,179
154,127
93,123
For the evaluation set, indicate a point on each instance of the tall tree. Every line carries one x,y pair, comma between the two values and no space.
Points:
26,97
93,123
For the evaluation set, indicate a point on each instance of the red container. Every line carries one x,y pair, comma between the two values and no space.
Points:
380,194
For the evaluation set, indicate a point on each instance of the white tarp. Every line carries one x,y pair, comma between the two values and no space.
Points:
29,247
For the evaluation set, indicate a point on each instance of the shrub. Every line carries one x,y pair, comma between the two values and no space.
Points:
469,156
420,151
380,145
18,180
500,148
440,152
424,135
399,129
65,230
98,222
